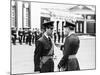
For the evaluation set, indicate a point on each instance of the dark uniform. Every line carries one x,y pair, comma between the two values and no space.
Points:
43,55
36,36
40,35
20,33
29,37
14,36
33,36
23,36
26,36
69,62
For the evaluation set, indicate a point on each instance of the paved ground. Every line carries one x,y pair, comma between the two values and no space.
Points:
22,56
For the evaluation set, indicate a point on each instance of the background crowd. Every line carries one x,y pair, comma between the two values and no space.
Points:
30,37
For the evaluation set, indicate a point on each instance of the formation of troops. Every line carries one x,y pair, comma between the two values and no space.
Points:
31,36
44,46
25,36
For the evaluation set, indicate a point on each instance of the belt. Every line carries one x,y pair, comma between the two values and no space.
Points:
49,56
72,56
45,58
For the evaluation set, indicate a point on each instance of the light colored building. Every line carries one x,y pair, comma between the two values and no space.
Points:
88,23
25,14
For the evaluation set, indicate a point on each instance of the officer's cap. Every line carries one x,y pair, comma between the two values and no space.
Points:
69,24
48,24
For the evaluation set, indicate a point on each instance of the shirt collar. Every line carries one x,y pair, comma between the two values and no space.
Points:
46,35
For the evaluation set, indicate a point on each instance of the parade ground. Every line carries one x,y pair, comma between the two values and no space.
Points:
22,56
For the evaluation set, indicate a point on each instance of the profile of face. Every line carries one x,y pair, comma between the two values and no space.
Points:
66,31
49,31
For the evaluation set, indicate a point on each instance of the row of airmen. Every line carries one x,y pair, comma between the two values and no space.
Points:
25,36
30,37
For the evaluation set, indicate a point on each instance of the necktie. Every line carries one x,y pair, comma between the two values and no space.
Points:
50,41
51,50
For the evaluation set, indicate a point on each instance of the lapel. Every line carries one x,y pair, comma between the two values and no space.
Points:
46,39
49,46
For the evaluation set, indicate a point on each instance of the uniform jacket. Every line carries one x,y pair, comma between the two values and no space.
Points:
42,49
20,33
71,46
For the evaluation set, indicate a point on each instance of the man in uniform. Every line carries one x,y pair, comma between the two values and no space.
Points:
26,35
20,34
23,35
69,61
44,50
29,37
33,36
14,35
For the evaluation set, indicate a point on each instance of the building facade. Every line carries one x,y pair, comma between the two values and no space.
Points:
29,15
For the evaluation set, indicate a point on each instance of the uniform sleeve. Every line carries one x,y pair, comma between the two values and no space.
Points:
37,55
66,53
